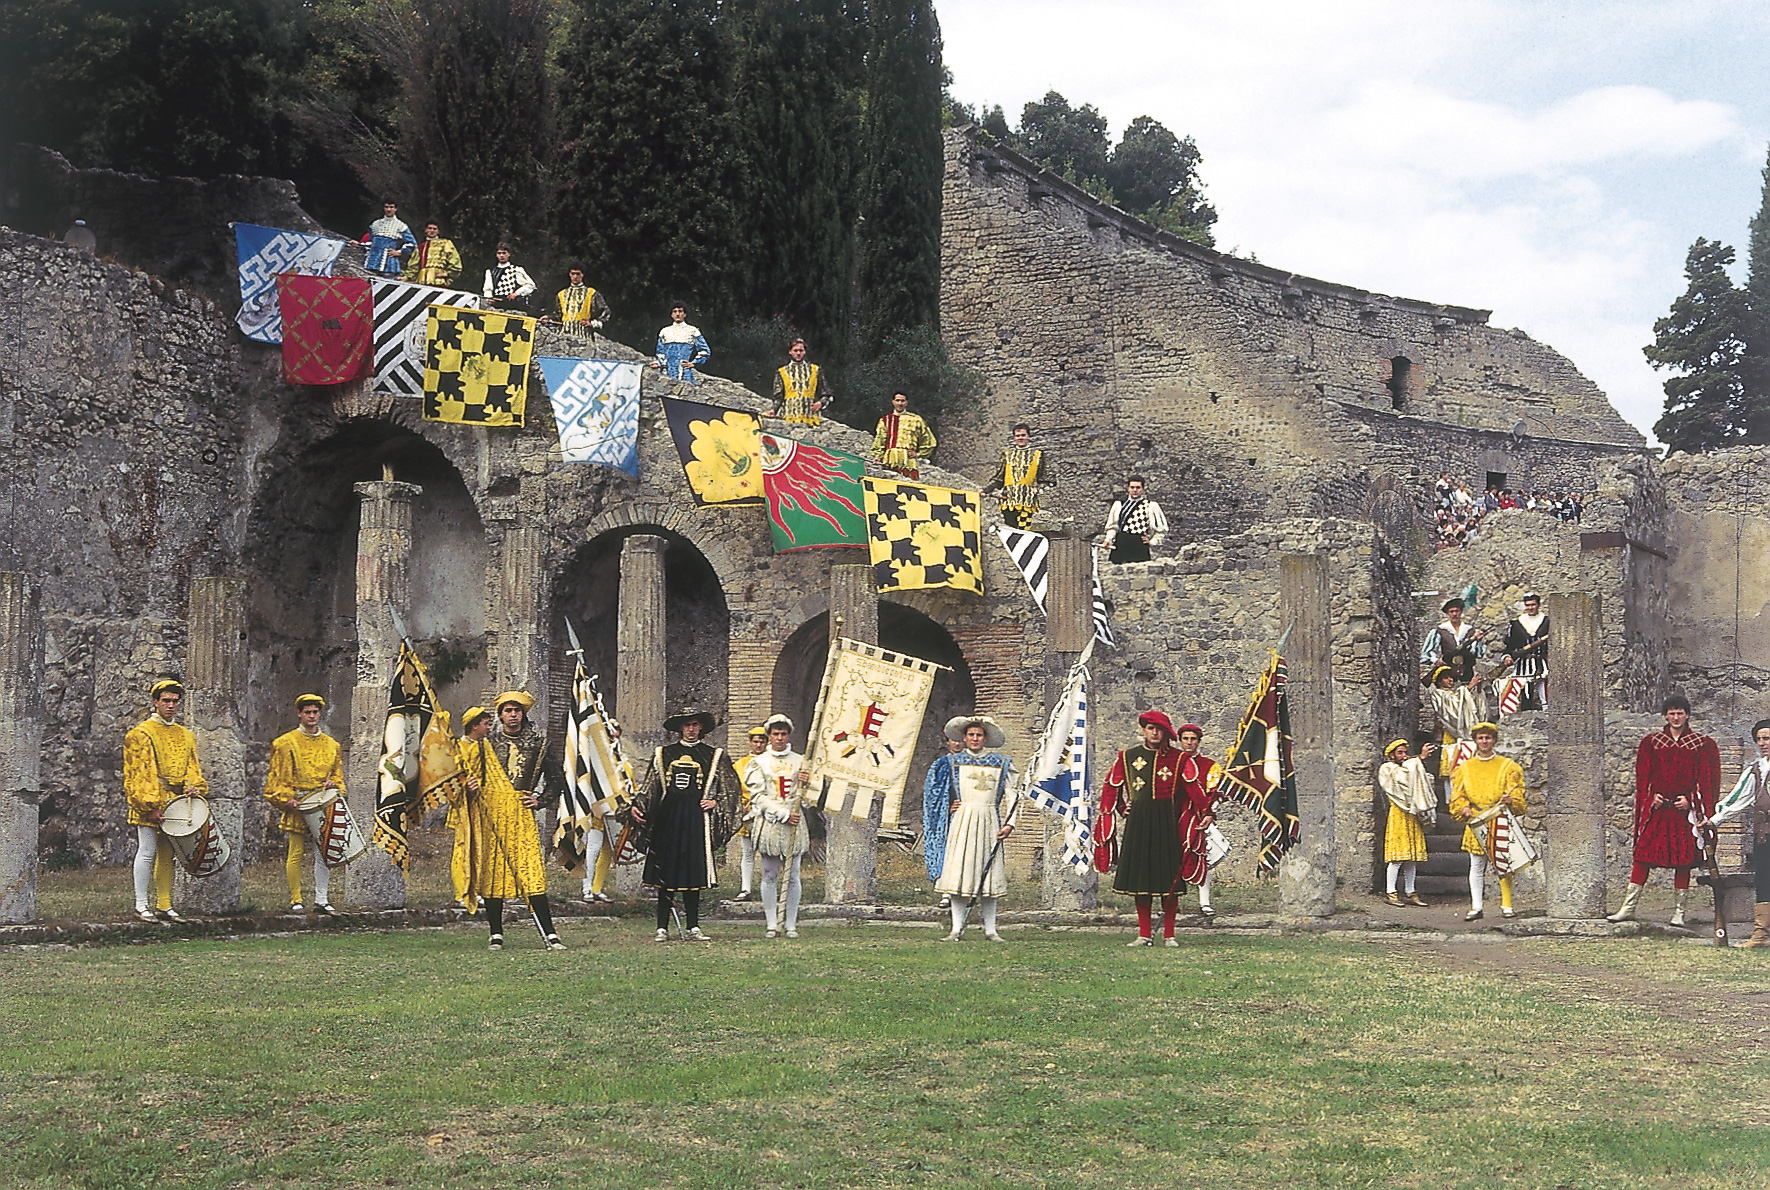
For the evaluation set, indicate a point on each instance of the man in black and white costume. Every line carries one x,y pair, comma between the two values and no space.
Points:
1526,647
1134,525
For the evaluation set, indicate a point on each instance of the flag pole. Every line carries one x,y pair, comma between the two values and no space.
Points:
817,716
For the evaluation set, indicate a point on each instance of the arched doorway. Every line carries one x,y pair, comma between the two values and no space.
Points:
798,675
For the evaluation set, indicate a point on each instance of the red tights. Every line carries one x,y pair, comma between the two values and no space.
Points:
1638,875
1171,906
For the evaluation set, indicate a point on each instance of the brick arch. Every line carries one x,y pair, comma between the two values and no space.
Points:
685,522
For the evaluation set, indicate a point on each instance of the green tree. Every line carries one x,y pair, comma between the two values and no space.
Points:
1154,174
899,248
648,177
1757,328
1703,340
799,76
1068,141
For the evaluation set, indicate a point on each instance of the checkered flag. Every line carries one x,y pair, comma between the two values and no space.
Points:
921,536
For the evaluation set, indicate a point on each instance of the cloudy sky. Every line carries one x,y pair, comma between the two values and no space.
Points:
1550,162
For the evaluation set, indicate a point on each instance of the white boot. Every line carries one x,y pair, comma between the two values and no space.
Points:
1627,912
1678,908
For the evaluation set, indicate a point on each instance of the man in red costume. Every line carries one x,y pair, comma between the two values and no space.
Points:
1677,769
1140,826
1198,776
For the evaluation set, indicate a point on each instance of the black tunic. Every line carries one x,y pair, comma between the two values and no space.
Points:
1532,666
681,839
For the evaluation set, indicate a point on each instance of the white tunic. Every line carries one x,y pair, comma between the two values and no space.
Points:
771,777
971,831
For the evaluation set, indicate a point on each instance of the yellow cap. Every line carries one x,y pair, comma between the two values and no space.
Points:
1484,726
163,685
756,731
302,700
521,698
473,715
1390,750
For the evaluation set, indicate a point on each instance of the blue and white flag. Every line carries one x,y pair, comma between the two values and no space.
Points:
1057,778
596,405
265,252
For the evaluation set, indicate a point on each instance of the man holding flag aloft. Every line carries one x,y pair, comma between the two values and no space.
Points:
1139,828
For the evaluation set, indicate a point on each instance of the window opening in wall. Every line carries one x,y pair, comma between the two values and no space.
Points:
1399,369
1497,480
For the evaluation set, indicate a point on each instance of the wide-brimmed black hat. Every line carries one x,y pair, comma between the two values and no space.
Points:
708,723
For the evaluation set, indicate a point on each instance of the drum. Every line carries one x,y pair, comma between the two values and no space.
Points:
1504,840
330,823
1216,846
189,827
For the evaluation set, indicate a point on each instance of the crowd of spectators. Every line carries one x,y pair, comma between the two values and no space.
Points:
1459,512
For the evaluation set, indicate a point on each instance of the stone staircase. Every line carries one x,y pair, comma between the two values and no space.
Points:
1446,870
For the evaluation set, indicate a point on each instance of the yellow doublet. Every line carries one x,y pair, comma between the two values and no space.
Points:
159,764
740,764
299,763
504,849
1478,785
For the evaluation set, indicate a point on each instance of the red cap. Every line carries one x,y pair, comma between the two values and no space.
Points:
1157,719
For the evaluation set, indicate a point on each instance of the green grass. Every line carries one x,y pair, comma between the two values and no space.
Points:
875,1056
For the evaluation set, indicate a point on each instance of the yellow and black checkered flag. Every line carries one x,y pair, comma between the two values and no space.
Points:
476,366
923,537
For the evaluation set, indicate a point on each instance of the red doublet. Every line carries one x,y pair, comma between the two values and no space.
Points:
1672,766
1164,780
1196,805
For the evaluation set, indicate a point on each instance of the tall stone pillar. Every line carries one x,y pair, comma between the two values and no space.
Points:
1306,875
21,726
1069,624
522,659
215,687
851,871
641,664
383,577
1573,859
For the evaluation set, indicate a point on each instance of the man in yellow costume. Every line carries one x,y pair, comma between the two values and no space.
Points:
581,308
434,262
1480,783
758,737
504,850
302,761
159,764
902,442
800,391
1020,480
1413,805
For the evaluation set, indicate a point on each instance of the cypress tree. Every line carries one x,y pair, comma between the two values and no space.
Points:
1702,338
1757,320
899,236
648,181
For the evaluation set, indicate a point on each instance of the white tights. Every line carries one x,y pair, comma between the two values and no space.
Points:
1204,890
1477,881
1405,869
147,845
771,888
593,841
962,910
747,864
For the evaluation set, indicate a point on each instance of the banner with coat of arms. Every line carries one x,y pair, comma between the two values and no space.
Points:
869,717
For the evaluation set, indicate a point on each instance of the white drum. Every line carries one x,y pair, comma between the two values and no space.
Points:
1504,840
330,824
189,827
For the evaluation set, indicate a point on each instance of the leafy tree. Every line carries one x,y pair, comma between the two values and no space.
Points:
899,275
1154,173
1068,141
1703,339
648,177
912,360
1757,328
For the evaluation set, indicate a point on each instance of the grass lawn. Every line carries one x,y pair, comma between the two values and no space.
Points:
876,1056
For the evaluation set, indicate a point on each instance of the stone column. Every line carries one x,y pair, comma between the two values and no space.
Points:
1069,624
21,725
521,655
1306,875
851,871
383,577
1573,857
642,665
215,686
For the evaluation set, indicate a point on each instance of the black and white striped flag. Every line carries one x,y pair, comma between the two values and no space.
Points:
402,315
1028,551
1102,630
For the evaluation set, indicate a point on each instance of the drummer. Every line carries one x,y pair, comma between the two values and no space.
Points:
304,762
159,764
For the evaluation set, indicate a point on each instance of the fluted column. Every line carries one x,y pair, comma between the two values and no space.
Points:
851,872
21,727
641,666
383,578
1573,858
521,665
215,685
1307,874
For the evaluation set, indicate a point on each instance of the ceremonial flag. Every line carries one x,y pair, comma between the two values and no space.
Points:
476,366
1057,778
814,495
596,406
402,318
264,252
410,708
1511,695
923,536
328,328
598,781
869,715
1259,773
720,449
1029,551
1102,629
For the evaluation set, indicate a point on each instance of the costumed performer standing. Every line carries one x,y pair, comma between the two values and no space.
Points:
581,308
303,761
1677,770
902,441
1020,480
1481,782
522,749
777,806
757,737
1453,643
389,241
1198,778
980,816
688,810
801,393
681,348
159,764
503,845
1139,827
602,840
1413,806
1525,647
1750,798
1457,710
937,806
1134,525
